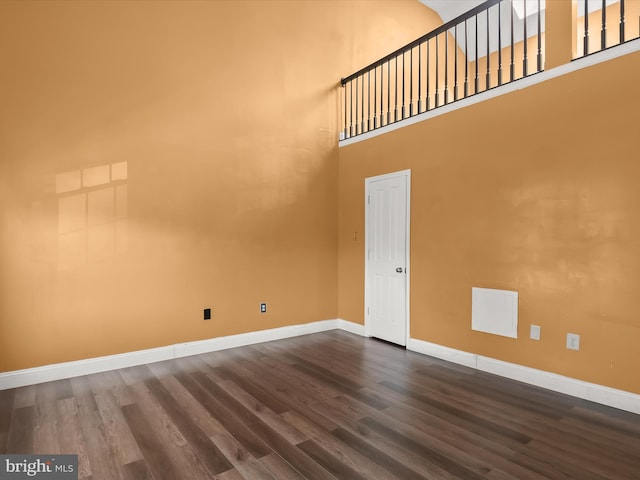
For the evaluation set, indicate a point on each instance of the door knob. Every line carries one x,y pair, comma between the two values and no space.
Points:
399,269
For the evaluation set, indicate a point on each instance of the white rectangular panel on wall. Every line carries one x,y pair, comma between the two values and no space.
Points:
494,311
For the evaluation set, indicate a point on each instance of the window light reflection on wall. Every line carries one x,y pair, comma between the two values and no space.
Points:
92,213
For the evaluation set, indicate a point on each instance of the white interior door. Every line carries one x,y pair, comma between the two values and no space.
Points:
387,259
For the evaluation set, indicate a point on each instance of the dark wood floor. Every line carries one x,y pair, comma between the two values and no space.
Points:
322,406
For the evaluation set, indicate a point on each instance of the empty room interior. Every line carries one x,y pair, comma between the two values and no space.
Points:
290,239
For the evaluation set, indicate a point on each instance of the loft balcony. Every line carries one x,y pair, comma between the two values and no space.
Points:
492,45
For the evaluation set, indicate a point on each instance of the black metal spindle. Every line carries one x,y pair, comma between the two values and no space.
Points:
586,27
525,58
488,79
404,84
382,94
603,30
621,21
351,108
375,97
388,92
357,78
476,85
363,113
466,61
428,101
446,67
419,78
360,103
411,82
455,63
437,74
395,104
368,100
499,43
362,106
344,90
512,65
539,37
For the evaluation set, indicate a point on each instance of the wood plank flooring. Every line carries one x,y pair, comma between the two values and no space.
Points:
322,406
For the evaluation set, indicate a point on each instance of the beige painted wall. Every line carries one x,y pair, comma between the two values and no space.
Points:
162,157
541,196
157,158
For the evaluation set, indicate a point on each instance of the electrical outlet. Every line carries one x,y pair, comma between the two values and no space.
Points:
207,314
534,332
573,341
263,308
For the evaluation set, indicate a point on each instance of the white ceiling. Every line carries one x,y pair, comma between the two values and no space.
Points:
450,9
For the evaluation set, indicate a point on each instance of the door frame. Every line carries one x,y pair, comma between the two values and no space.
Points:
367,184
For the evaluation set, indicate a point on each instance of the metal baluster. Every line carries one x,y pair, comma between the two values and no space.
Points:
362,106
419,78
512,66
476,86
368,100
446,67
351,108
603,31
375,97
586,27
621,21
499,43
403,85
382,94
437,73
539,37
488,80
344,88
525,59
411,82
466,62
356,105
395,105
389,92
428,105
455,67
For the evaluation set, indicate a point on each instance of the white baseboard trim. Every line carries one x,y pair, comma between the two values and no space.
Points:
589,391
59,371
351,327
558,383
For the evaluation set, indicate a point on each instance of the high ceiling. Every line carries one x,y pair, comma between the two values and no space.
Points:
450,9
